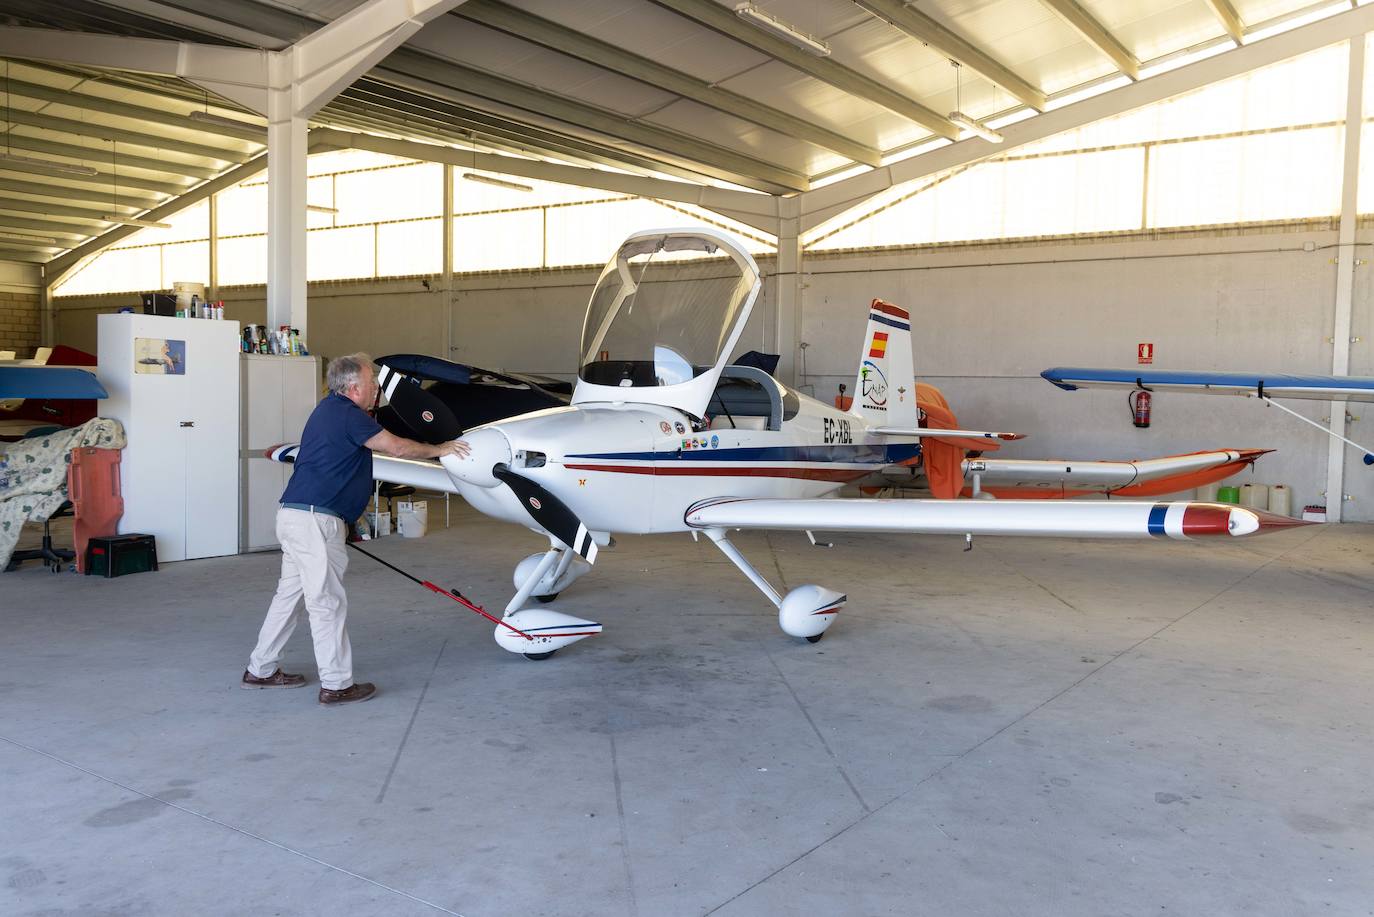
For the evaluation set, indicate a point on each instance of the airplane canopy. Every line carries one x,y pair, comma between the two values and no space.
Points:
664,318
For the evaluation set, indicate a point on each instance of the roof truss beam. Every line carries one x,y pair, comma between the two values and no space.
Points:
481,87
50,227
722,20
82,153
115,134
62,210
1228,17
95,196
75,99
942,41
446,119
107,179
1093,32
717,199
608,56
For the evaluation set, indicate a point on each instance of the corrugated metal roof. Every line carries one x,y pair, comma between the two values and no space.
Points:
648,86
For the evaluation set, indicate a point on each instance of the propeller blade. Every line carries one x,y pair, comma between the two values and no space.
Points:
428,418
551,513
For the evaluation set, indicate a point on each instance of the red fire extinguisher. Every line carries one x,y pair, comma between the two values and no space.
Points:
1139,400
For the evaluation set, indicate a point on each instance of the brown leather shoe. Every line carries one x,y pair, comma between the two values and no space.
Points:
353,694
277,679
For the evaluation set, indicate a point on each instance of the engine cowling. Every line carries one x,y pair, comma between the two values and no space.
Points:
808,610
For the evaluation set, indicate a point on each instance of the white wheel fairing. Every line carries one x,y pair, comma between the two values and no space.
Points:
551,630
808,610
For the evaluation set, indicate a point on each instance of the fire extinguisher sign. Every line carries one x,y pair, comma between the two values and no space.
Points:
1145,353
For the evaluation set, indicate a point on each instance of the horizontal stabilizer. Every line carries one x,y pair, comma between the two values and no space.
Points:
1264,385
926,433
1050,518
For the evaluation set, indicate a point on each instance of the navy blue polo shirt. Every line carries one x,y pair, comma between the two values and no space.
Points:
333,467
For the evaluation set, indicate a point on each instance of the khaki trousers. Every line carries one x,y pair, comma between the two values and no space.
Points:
313,561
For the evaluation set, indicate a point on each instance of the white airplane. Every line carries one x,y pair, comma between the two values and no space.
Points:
663,435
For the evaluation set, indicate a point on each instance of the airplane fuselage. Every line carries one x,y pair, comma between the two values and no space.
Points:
612,462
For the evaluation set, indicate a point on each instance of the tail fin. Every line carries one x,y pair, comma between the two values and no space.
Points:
885,390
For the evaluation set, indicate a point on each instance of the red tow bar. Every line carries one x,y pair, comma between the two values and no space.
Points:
447,593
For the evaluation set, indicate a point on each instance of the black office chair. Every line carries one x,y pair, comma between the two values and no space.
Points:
53,557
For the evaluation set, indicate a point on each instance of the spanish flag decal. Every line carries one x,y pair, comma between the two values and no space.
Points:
879,348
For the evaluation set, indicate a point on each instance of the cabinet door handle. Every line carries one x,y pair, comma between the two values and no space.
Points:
187,423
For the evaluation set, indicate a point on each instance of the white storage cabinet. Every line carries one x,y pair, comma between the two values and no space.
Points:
179,472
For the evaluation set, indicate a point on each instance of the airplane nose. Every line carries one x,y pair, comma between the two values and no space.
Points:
489,448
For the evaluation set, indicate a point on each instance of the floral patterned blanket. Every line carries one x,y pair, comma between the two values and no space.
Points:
33,475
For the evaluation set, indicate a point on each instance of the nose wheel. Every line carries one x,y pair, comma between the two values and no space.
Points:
539,657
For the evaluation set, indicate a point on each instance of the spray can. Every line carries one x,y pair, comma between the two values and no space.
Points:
194,311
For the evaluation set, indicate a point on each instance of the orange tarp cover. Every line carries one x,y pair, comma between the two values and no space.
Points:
943,458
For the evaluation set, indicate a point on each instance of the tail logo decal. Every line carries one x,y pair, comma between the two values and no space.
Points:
874,386
879,348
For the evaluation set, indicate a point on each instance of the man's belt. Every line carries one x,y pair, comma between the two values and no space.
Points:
307,508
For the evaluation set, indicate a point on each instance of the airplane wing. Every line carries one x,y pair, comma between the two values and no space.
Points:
422,474
1262,385
1052,478
1265,386
1115,519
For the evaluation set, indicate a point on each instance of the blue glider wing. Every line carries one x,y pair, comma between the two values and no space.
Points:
49,382
1264,385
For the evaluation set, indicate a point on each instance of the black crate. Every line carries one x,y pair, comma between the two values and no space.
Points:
116,555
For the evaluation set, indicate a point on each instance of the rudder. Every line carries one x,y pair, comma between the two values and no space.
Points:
885,389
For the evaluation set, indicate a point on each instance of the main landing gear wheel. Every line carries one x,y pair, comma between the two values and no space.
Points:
815,638
537,657
546,599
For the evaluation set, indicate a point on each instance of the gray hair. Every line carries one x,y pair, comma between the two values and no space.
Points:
345,371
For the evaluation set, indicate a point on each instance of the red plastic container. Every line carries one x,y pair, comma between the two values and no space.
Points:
93,488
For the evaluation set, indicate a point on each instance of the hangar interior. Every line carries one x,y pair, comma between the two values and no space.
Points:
1047,726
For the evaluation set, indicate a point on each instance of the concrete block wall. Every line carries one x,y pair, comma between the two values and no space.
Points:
986,320
20,321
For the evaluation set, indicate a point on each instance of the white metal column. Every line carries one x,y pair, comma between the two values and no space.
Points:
213,293
1345,275
787,295
286,176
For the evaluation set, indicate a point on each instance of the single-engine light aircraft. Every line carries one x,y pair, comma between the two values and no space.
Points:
664,435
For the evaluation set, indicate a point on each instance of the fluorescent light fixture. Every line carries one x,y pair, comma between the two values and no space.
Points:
977,127
133,221
25,237
321,208
496,182
48,166
788,33
212,118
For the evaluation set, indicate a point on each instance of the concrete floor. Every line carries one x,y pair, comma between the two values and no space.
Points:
1037,727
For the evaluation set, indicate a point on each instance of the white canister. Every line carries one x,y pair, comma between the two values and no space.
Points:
1281,500
1207,493
1255,496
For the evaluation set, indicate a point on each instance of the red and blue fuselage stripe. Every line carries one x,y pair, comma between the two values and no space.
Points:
875,454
